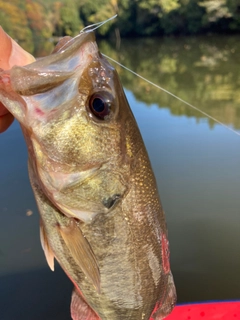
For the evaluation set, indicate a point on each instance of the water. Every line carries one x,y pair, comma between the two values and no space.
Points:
196,163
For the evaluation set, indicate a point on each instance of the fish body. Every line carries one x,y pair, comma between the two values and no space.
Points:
101,216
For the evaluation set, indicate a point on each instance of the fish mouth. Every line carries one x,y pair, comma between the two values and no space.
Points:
22,86
63,52
48,72
66,42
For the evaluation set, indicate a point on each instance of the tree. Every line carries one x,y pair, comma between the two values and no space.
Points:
94,11
15,23
234,9
215,9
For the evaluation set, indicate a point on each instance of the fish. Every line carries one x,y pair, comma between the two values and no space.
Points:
101,216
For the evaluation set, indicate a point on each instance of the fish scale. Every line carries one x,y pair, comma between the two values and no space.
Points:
101,216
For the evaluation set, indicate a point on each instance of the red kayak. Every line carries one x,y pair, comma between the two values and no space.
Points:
207,311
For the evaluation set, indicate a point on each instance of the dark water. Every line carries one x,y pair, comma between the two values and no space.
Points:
196,163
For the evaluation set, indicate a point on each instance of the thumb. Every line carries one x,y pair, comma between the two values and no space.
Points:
11,53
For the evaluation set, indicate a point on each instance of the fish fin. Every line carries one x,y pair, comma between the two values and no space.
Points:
80,310
46,247
81,251
165,306
53,223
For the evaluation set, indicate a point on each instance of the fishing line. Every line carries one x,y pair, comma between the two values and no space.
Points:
97,25
173,95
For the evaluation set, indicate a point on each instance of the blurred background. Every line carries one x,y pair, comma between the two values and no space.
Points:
189,47
29,20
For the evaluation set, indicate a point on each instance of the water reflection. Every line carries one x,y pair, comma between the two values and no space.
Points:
195,161
202,71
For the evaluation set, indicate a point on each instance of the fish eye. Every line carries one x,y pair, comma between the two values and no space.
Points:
100,105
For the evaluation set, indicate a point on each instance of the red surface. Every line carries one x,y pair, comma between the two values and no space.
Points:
207,311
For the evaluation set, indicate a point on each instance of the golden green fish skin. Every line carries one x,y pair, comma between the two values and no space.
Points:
101,215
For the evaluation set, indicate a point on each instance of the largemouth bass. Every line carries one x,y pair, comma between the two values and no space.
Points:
101,216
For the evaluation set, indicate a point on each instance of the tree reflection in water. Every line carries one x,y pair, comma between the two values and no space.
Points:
201,70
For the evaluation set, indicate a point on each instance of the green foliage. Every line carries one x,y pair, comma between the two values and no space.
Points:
96,11
161,6
33,21
234,9
215,9
14,21
69,24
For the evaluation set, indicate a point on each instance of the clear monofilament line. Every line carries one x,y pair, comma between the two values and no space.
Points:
173,95
97,25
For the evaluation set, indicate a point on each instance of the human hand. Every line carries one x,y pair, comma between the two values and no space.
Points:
10,54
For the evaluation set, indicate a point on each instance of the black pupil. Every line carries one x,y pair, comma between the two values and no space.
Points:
98,105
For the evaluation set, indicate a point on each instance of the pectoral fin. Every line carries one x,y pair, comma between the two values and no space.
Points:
66,240
46,247
81,251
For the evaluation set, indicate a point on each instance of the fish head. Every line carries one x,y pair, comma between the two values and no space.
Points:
73,113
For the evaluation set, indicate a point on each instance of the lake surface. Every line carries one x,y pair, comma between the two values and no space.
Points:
196,162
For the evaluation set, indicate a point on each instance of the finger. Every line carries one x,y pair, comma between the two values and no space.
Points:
5,49
5,121
19,56
11,53
3,110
